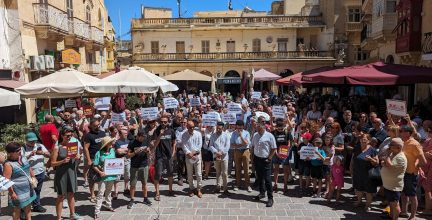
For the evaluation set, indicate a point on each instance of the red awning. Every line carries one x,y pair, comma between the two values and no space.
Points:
371,74
12,84
297,79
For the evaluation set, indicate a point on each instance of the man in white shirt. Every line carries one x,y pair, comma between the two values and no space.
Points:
264,147
192,143
219,145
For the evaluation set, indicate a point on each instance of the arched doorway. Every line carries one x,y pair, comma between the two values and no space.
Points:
389,59
230,83
283,74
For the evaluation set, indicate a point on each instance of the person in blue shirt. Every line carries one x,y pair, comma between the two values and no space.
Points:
240,142
317,168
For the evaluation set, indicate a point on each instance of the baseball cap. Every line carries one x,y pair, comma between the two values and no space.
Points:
31,136
307,136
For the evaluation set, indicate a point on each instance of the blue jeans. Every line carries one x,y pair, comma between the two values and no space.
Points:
40,178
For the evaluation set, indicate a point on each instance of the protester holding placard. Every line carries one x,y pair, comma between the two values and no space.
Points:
107,181
121,148
304,164
281,157
317,172
36,153
65,179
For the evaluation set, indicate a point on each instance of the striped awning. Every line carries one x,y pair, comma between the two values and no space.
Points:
8,83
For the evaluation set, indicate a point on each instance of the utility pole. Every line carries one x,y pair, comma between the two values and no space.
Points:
179,8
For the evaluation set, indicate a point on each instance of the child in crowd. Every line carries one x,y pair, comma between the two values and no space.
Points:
328,162
317,168
337,172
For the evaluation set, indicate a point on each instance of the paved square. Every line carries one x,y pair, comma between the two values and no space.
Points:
239,206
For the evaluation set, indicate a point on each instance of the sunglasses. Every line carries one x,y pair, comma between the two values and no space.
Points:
164,122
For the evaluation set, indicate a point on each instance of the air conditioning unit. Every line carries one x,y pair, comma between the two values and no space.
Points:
49,61
37,62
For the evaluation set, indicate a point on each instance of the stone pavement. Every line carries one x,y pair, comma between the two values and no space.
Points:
239,206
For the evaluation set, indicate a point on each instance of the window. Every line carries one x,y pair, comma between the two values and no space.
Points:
69,8
88,14
205,46
155,46
282,44
360,55
256,45
391,6
354,15
231,46
180,47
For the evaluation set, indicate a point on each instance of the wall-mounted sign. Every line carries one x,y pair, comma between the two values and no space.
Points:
70,56
229,81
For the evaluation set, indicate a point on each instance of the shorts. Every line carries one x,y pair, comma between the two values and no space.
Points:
159,167
410,184
392,196
326,170
139,174
317,172
207,156
304,168
277,160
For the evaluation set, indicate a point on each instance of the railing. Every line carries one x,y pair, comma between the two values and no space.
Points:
230,56
46,14
354,26
146,22
97,35
81,28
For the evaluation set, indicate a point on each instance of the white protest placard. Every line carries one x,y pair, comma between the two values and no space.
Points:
256,95
117,118
234,108
195,101
229,118
396,107
215,115
102,104
190,96
114,166
149,113
209,120
279,111
308,151
5,183
263,114
170,103
70,103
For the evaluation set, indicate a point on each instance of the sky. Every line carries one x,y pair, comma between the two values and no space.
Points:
121,11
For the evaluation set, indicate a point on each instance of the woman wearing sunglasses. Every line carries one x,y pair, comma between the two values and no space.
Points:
64,158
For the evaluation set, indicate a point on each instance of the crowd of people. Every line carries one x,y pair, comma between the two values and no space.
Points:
388,157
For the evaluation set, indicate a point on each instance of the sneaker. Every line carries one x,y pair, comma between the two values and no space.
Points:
249,189
86,185
76,217
39,209
130,204
236,188
65,204
269,203
147,201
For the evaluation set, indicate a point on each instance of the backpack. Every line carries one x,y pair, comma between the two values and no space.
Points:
118,103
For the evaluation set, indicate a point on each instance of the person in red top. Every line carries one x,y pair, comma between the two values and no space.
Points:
49,133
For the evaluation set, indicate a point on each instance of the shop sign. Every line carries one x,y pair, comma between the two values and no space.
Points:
70,56
229,81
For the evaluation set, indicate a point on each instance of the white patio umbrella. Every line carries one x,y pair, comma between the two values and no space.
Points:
9,98
64,83
133,80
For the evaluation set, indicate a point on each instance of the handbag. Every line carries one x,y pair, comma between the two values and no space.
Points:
32,180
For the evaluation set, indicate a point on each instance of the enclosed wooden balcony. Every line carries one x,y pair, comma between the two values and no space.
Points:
353,26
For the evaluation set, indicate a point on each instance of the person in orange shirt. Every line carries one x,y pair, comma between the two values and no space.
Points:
415,158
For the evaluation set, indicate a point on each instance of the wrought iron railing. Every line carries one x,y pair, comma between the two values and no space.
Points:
97,35
46,14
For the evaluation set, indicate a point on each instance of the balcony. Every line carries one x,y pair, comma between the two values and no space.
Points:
230,56
353,26
97,35
81,29
90,68
50,21
228,22
383,26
